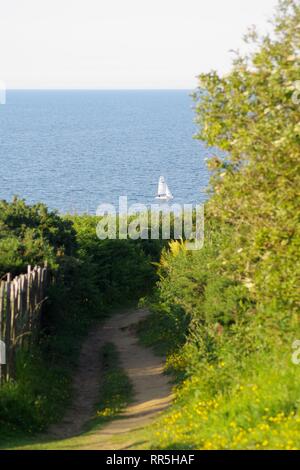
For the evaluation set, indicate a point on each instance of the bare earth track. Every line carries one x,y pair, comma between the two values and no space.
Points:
152,391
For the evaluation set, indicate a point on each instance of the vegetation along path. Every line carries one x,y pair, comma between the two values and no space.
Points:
152,391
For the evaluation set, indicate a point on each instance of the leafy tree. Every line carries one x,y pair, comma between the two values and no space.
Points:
253,115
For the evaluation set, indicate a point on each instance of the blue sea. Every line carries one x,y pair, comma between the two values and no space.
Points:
74,150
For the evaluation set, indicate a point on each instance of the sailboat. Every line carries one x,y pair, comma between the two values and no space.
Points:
163,192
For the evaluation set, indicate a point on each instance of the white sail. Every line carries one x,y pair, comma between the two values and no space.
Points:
163,192
168,193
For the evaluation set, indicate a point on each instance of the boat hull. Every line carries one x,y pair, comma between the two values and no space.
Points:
163,198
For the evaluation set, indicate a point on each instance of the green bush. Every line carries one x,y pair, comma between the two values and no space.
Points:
32,235
122,268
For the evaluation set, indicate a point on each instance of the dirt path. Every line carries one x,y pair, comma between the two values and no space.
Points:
152,391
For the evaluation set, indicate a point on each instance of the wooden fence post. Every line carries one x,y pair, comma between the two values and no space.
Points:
21,301
8,324
2,293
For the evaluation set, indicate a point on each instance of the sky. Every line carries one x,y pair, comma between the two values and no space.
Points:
121,44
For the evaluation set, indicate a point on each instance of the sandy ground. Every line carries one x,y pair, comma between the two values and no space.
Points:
152,390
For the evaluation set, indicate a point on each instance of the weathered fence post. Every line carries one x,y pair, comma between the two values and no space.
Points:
8,324
2,342
21,301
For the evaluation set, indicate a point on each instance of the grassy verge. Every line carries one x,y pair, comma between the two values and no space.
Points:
116,390
253,406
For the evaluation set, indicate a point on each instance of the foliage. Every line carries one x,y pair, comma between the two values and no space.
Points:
35,399
240,292
122,268
32,235
253,114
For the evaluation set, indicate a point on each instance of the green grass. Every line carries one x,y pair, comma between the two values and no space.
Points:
116,391
257,408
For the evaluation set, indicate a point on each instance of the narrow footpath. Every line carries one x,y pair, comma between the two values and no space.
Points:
152,390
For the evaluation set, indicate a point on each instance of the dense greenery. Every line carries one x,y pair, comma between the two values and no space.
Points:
121,268
31,235
91,277
235,304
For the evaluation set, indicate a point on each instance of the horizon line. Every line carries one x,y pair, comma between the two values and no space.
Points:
99,89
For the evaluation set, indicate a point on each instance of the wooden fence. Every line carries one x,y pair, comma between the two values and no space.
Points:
21,300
